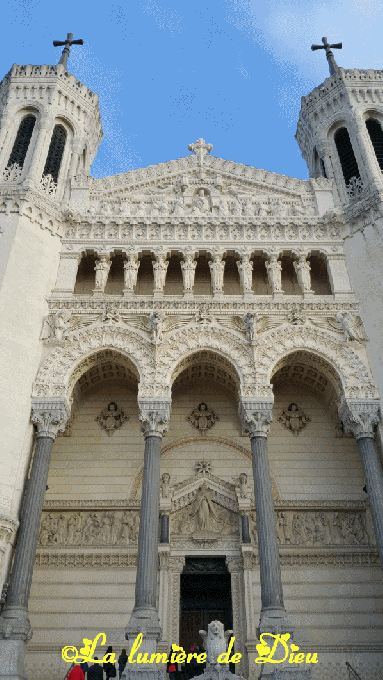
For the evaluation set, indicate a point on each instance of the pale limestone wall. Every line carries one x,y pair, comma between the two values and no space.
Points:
29,276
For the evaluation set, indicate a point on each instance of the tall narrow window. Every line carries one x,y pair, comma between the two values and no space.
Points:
376,136
22,141
346,155
55,153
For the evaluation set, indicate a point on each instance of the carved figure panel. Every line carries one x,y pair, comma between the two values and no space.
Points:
294,419
204,518
203,418
111,418
89,528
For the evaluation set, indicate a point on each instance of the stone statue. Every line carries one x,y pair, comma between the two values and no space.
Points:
236,208
274,273
294,419
111,418
250,321
302,268
223,207
188,266
217,268
215,641
245,269
156,324
179,208
102,270
243,484
131,266
201,203
344,322
165,485
279,208
248,208
60,325
296,317
203,418
160,268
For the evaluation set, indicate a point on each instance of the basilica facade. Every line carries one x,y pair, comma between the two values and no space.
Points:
191,370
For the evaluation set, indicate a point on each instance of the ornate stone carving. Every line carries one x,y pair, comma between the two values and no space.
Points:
302,269
130,273
297,316
188,267
215,641
256,418
203,418
165,485
160,268
203,467
245,269
250,322
274,273
217,267
89,528
102,270
156,325
8,527
294,419
85,560
111,418
360,418
204,514
155,418
200,149
49,417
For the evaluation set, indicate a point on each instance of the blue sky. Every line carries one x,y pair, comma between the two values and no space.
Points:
168,72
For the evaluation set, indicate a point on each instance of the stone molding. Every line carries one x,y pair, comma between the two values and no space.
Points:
85,560
132,504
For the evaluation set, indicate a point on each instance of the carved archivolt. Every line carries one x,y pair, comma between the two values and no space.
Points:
345,364
67,364
180,344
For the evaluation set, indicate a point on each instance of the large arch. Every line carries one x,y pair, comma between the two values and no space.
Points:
173,355
71,359
344,366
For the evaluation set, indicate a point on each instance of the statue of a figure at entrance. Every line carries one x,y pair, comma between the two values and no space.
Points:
203,509
215,640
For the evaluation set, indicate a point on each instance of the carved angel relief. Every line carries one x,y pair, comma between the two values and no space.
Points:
203,418
111,418
294,419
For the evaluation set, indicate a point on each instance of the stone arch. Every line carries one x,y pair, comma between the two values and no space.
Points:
348,372
179,441
181,344
71,359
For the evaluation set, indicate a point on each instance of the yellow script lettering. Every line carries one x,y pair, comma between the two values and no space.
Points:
136,646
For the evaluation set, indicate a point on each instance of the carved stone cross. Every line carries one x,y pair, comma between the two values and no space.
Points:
200,148
68,43
333,66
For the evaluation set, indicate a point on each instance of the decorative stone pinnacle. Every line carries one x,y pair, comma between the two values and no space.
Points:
333,66
200,149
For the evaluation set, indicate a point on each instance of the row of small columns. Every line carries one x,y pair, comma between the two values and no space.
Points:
336,266
360,418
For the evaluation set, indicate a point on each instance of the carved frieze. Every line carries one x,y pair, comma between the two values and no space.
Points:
62,529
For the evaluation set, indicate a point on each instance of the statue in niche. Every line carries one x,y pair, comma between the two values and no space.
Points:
102,270
294,419
111,418
202,509
165,485
203,418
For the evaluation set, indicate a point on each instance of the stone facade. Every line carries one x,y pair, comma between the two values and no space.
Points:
190,328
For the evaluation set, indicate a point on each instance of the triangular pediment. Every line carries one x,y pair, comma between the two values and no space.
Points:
190,186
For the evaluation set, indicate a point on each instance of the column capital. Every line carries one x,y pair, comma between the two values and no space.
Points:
256,417
50,416
360,417
154,416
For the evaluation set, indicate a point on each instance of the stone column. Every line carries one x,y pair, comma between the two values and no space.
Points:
164,528
257,417
188,266
217,268
15,628
77,148
338,274
360,418
40,150
144,619
67,274
372,172
302,270
245,269
235,567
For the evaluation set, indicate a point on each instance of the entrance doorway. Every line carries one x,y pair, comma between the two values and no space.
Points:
205,597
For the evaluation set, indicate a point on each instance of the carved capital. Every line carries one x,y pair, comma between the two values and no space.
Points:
15,625
256,417
50,416
360,417
154,416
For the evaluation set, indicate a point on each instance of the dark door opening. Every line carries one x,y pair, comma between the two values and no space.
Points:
205,597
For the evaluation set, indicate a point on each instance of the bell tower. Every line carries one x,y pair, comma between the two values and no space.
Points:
50,130
340,136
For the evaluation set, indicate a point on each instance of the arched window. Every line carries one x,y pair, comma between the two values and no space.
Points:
376,136
346,154
55,153
23,137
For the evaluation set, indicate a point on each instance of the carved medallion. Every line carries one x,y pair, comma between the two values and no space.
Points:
111,418
294,419
203,418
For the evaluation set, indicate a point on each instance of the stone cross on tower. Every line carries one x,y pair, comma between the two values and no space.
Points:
330,57
200,148
68,43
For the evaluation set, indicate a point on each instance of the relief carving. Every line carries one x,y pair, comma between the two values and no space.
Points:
294,419
111,418
202,418
89,528
204,519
